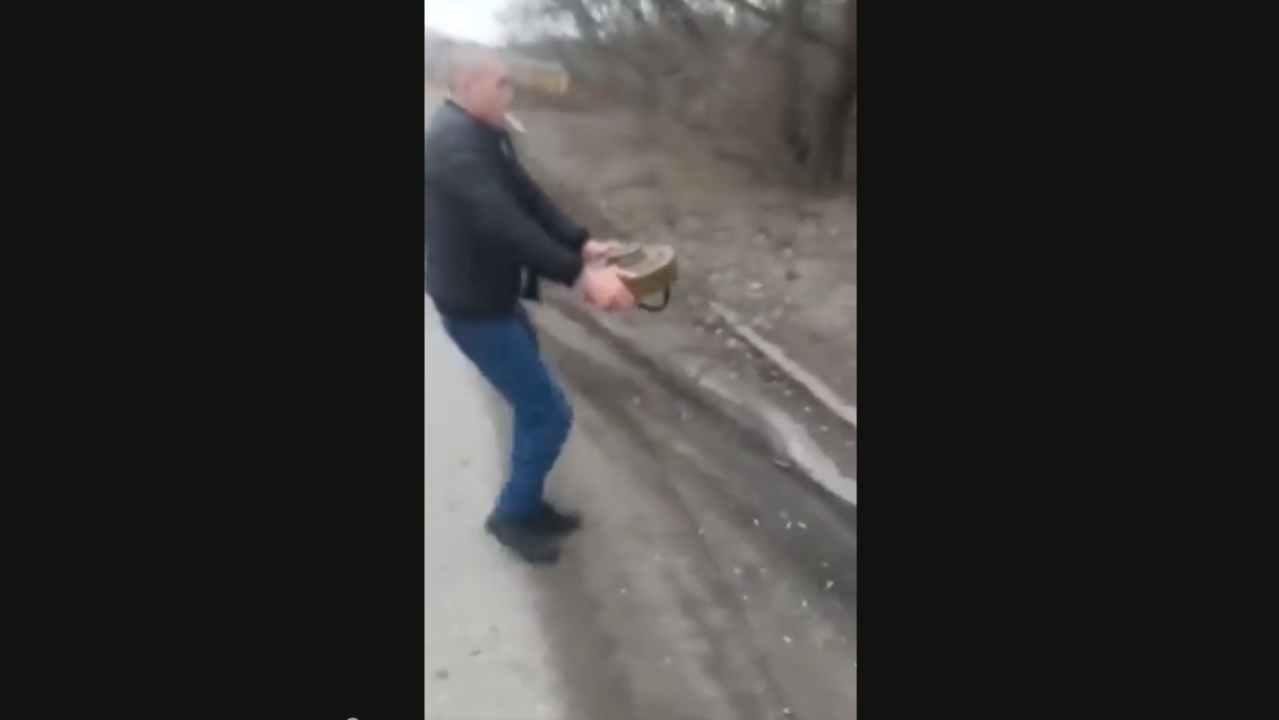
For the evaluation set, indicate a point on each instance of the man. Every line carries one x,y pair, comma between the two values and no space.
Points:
491,233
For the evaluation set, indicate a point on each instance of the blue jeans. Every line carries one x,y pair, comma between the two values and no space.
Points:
505,351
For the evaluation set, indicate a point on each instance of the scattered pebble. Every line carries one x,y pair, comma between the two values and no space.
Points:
623,591
788,526
781,463
803,604
737,571
787,639
802,526
756,522
830,584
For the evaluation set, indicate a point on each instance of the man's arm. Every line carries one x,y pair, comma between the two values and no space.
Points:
547,214
477,188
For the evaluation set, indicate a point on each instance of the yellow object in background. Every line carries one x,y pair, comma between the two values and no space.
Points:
539,76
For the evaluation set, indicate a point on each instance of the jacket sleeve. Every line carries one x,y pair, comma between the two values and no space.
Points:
547,214
483,200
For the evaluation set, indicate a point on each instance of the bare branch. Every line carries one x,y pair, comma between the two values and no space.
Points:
587,25
679,14
771,17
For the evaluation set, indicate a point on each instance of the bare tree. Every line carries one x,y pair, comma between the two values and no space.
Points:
772,17
678,14
778,76
792,95
636,10
827,166
587,25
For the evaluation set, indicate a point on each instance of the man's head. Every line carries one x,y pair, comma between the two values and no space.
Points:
479,83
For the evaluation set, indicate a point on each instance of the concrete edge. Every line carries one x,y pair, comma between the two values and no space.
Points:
819,390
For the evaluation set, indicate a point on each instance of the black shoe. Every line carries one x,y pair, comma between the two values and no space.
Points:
555,522
524,539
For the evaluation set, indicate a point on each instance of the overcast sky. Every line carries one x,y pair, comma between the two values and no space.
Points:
469,19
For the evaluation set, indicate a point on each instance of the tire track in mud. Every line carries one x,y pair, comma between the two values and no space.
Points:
704,601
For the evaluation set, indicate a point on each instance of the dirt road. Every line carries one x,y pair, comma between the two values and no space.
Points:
708,582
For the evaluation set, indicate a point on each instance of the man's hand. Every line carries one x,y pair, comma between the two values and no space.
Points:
596,249
605,289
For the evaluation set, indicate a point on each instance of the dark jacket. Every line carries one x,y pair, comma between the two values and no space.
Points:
491,232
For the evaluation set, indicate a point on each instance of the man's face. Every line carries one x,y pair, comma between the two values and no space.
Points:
487,92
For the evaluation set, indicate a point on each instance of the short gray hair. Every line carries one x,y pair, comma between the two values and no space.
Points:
465,59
